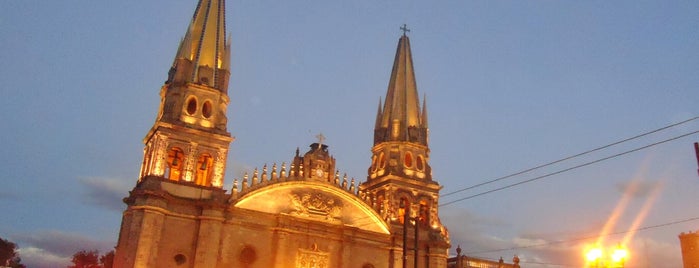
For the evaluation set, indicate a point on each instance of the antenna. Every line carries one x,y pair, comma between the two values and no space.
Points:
696,152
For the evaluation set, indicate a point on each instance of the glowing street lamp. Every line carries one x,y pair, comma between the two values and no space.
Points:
619,256
593,256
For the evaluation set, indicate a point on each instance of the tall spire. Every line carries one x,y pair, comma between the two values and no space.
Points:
400,175
401,111
203,56
189,141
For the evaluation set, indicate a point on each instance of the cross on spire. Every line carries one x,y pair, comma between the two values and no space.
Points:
320,138
405,29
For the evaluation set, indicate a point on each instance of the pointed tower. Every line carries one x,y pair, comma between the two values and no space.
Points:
400,176
179,191
189,141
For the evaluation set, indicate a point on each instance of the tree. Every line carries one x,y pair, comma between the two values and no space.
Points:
107,260
15,263
85,259
7,252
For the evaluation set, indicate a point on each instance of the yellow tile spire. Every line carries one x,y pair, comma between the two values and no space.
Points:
203,56
401,110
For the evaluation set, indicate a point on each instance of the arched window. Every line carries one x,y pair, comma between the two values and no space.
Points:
175,162
382,161
420,163
408,160
424,213
191,107
203,170
206,109
402,209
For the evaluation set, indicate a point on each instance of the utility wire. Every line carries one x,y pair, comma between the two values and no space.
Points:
567,169
571,157
587,237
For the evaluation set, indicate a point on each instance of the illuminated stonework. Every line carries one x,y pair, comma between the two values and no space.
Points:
180,215
312,258
316,205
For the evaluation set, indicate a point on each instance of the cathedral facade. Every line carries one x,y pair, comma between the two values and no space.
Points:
304,214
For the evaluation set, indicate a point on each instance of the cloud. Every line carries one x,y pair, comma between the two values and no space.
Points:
54,248
39,258
544,250
107,193
638,189
470,231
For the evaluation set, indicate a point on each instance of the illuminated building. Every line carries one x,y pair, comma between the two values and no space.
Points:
689,242
463,261
304,214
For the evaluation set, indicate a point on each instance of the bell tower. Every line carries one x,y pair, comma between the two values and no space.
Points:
399,179
180,186
189,141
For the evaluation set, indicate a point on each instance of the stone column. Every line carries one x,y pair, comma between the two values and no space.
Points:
209,238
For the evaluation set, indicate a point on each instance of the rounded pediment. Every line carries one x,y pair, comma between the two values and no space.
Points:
314,201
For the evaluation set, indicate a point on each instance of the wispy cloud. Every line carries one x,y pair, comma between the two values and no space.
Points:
637,188
107,193
543,250
54,248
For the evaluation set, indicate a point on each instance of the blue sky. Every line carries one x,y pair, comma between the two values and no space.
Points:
509,85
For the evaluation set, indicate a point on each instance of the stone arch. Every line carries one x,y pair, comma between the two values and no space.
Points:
313,200
175,163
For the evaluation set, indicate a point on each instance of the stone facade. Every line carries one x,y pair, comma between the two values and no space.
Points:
689,242
304,215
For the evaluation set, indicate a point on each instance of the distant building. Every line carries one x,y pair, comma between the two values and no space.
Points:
462,261
689,242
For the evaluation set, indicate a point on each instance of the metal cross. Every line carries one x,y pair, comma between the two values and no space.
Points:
405,28
321,138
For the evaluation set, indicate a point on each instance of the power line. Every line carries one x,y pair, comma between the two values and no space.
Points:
568,169
572,156
588,237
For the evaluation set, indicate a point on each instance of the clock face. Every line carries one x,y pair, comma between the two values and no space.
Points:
319,172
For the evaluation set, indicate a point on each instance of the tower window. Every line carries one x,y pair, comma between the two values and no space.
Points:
382,161
373,163
175,159
424,215
420,163
206,109
204,170
408,159
191,106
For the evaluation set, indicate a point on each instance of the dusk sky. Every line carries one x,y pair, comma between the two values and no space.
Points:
510,85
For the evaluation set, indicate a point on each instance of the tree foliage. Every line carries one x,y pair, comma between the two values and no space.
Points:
85,259
107,260
8,251
92,259
8,254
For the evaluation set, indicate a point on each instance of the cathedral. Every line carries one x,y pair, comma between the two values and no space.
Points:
298,215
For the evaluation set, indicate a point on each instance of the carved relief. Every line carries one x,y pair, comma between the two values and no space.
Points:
160,148
316,205
190,162
312,258
219,167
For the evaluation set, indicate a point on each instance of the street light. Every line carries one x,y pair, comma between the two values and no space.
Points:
595,257
619,256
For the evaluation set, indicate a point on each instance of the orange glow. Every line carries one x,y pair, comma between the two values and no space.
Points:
593,254
273,199
641,216
611,222
620,254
